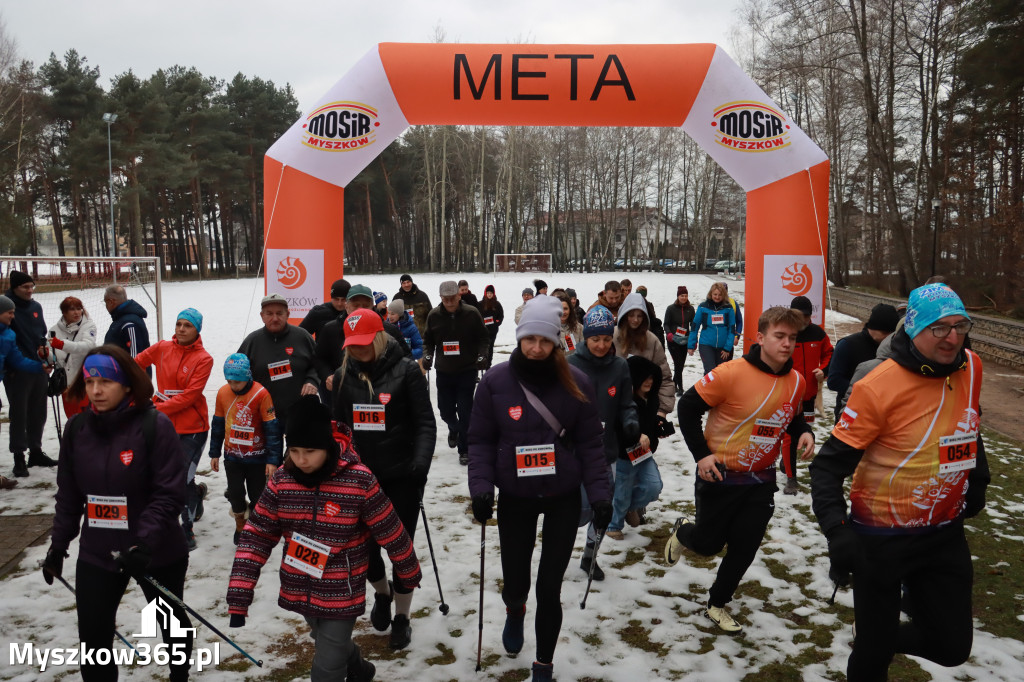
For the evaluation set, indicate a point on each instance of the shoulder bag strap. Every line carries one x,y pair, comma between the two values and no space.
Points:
544,411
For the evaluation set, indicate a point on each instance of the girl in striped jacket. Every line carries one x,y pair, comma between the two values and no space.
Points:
327,504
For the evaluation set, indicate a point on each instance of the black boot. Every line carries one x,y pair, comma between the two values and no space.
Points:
37,458
585,567
512,635
401,632
20,470
380,614
359,669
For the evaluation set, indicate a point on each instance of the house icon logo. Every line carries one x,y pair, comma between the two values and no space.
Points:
157,614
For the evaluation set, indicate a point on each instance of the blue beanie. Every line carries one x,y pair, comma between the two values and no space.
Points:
193,317
379,297
930,303
598,321
236,368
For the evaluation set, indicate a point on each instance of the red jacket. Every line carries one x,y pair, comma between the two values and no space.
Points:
181,375
813,351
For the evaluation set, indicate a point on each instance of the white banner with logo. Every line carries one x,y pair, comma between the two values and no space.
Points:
786,277
298,275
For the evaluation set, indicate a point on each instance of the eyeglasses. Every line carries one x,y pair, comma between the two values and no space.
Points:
941,331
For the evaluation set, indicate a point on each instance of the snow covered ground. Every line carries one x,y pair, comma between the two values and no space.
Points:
644,622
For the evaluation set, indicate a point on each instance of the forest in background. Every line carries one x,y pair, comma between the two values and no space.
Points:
917,103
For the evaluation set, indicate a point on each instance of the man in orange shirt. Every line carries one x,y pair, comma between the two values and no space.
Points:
754,402
909,436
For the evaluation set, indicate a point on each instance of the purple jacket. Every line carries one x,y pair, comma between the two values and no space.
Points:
503,419
107,457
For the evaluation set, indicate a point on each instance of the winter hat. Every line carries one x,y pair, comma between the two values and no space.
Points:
884,318
236,368
396,307
598,321
490,288
379,298
362,327
930,303
527,290
542,316
448,288
340,288
642,290
405,278
359,290
6,304
640,368
571,293
105,366
680,290
193,317
539,284
309,424
18,278
803,304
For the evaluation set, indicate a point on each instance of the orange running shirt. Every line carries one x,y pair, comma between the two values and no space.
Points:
750,412
244,416
920,440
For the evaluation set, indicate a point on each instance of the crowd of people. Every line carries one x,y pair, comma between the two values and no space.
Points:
328,434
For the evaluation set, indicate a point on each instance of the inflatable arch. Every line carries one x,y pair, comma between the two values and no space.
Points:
698,87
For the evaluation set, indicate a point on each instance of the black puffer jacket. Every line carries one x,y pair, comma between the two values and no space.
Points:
406,446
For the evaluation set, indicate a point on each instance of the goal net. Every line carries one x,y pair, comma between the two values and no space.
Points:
86,279
522,262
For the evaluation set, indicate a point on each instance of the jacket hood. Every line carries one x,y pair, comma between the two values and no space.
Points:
633,302
754,358
192,347
129,307
640,368
906,355
583,353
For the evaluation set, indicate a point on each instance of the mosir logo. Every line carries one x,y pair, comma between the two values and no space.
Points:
797,279
750,127
341,127
291,273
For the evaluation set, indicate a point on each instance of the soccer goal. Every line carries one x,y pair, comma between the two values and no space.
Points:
86,279
522,262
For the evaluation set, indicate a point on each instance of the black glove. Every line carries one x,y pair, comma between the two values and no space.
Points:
481,362
53,565
237,621
665,427
136,560
483,507
428,362
602,514
846,553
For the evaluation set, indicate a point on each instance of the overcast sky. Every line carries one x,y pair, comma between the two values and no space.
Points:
312,44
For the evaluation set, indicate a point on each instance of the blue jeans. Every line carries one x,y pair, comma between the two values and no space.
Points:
710,356
455,402
635,488
192,447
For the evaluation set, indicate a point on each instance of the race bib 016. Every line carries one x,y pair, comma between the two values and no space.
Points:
367,417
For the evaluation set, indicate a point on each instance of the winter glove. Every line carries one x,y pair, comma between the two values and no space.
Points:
53,565
483,507
427,362
57,343
665,427
602,514
481,362
845,552
136,560
237,621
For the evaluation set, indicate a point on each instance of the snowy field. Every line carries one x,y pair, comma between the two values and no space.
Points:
644,622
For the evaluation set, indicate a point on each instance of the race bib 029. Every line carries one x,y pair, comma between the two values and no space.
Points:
110,511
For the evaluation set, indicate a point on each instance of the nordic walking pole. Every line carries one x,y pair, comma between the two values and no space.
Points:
66,584
443,608
480,637
173,597
56,420
590,573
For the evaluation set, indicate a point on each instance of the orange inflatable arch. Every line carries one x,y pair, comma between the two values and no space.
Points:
698,87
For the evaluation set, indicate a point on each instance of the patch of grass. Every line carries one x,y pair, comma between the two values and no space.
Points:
235,663
455,633
634,556
639,637
515,675
377,646
295,650
422,613
447,656
655,572
593,639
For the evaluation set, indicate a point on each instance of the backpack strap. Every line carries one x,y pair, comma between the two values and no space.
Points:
149,429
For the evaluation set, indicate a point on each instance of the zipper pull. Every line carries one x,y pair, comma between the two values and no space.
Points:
949,384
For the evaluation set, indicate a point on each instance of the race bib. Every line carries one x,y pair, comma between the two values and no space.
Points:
639,453
535,460
107,512
718,318
241,435
958,452
171,392
410,311
489,319
450,347
309,556
569,343
681,331
766,431
368,417
280,370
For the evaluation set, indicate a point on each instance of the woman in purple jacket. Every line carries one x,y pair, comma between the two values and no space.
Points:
537,461
121,467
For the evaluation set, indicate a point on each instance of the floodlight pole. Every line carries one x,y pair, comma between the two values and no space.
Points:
109,119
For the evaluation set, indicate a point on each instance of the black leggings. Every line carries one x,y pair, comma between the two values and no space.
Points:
99,593
678,353
517,532
733,515
789,458
242,477
936,568
405,494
